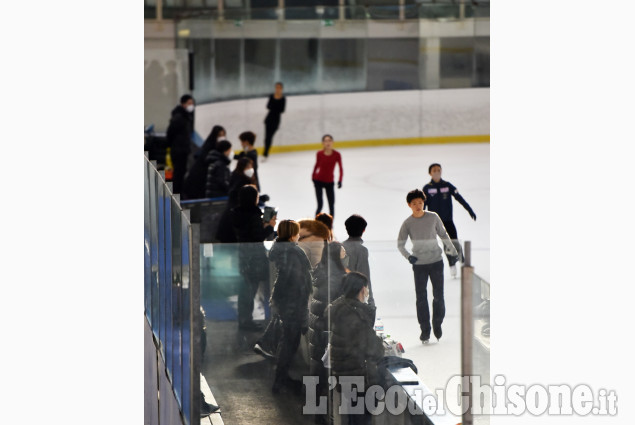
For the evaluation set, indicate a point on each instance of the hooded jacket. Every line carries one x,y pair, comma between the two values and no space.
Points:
217,181
179,132
292,287
355,348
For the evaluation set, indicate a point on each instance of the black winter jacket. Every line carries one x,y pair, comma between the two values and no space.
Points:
250,232
217,181
439,199
292,287
225,232
355,348
179,132
327,287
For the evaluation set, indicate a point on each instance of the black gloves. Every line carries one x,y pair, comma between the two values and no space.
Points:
453,259
412,259
339,185
473,215
264,198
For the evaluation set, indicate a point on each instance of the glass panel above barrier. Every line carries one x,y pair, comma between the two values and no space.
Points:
481,347
175,343
185,323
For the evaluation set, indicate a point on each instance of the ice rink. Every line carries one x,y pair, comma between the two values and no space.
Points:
376,181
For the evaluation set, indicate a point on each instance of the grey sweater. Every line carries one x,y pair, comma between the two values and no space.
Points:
423,233
358,259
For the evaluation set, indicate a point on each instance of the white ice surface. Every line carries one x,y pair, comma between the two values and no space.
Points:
376,181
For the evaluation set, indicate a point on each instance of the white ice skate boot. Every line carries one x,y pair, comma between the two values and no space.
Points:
453,271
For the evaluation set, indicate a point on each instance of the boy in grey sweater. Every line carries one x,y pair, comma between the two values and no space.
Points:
423,227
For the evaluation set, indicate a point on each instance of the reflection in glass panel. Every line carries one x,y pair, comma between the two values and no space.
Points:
481,346
147,263
166,291
175,302
154,252
457,61
162,261
260,65
227,63
203,69
343,64
393,64
186,360
481,52
298,65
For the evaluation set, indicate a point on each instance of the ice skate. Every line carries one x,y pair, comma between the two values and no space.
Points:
453,271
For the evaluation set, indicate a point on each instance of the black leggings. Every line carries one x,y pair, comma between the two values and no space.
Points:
330,196
270,129
451,229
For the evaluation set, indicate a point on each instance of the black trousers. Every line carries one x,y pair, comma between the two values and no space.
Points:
179,162
330,196
451,229
289,343
435,272
246,293
271,126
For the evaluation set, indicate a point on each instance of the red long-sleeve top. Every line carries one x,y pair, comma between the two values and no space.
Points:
324,169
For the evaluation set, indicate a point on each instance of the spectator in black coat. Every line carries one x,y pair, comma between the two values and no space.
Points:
355,347
327,287
217,180
290,297
241,176
247,140
194,182
250,231
179,137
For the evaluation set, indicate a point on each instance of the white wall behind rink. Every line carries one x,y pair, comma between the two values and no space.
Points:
355,116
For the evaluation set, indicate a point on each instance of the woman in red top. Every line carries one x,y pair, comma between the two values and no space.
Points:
324,173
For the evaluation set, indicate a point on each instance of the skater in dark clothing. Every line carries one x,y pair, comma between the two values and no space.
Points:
242,175
247,140
250,231
194,182
355,347
179,137
217,180
355,249
439,200
423,227
290,297
276,105
324,173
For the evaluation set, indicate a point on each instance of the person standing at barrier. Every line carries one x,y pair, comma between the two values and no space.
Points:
324,173
355,347
355,249
439,195
251,232
179,137
242,175
290,297
327,287
247,140
276,105
218,160
423,227
194,182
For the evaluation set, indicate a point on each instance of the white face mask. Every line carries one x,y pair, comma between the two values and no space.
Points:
190,108
366,296
230,155
249,172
